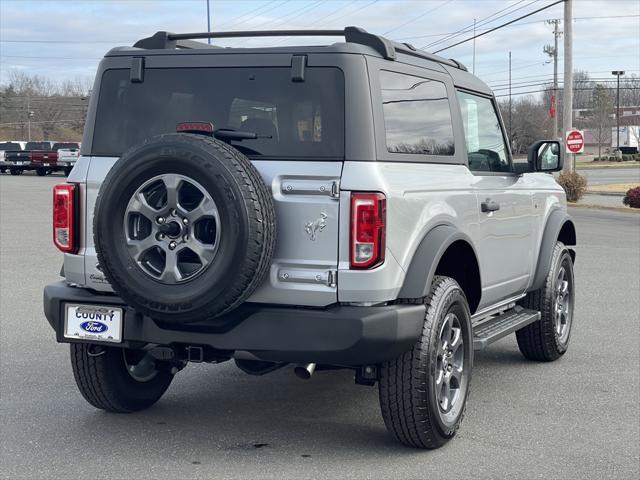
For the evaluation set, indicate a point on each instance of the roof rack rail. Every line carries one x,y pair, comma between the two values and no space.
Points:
385,47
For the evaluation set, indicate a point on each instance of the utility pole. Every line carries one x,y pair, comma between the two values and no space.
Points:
29,115
510,141
474,47
618,74
567,107
208,22
553,52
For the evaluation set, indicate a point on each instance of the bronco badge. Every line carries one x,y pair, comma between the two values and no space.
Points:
312,228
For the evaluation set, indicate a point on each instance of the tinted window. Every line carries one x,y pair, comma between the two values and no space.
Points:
295,119
485,142
59,145
38,146
417,116
8,146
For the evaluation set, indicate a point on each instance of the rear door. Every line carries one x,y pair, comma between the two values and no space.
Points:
299,152
504,237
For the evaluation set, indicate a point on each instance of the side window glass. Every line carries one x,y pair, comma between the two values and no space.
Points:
485,142
417,116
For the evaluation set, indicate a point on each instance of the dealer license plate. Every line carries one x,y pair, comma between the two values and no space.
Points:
93,322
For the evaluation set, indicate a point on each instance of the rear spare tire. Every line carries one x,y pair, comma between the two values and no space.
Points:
184,228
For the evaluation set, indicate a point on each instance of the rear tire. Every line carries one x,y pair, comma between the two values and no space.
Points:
15,171
103,379
548,339
67,171
41,172
413,387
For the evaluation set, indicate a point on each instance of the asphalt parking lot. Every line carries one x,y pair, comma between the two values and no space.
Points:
573,419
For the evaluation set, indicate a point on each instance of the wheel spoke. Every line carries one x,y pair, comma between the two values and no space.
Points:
456,342
140,205
205,252
445,395
446,333
138,247
206,208
456,373
172,185
171,273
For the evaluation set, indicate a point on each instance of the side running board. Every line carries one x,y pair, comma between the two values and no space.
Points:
502,325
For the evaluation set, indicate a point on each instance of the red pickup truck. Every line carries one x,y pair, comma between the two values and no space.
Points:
41,157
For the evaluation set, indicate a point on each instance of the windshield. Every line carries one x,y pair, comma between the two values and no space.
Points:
292,119
38,146
8,146
59,145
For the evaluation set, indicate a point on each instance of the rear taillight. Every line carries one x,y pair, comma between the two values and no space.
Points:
368,229
64,214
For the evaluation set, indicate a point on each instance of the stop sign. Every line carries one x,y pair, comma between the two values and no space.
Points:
574,141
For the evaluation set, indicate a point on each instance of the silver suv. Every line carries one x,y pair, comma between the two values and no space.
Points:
353,205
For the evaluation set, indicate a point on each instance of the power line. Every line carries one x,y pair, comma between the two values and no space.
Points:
518,25
500,26
482,22
418,17
550,89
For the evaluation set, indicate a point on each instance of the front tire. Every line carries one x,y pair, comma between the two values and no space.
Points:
41,172
548,339
15,171
103,378
423,392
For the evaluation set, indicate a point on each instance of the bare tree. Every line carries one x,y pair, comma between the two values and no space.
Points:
600,115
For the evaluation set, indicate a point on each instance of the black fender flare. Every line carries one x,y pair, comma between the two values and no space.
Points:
556,221
426,258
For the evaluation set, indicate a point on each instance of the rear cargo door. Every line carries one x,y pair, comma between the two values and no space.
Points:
297,114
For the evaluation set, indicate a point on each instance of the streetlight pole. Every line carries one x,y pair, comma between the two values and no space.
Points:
208,22
618,74
510,98
567,93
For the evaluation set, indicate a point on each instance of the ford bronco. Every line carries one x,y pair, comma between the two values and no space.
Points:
352,205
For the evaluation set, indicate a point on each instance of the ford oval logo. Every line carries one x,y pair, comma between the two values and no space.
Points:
93,327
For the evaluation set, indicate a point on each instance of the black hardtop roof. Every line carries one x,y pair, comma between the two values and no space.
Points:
353,36
357,41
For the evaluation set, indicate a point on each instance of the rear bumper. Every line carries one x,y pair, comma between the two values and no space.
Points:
25,165
339,335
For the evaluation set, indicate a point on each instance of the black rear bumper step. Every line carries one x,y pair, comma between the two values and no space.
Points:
502,325
339,335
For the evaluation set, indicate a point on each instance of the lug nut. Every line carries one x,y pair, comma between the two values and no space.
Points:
160,236
160,220
185,238
449,368
174,212
172,245
185,221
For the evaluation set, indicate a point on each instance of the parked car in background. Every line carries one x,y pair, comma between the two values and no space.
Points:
17,161
68,153
7,147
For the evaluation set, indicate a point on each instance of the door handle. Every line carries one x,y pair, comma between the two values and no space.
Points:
489,206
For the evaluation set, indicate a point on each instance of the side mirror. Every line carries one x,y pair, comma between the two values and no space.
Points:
546,156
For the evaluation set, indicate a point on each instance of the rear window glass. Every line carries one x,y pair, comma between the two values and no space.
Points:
59,145
417,116
38,146
294,119
8,146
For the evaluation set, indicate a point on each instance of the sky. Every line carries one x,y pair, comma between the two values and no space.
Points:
65,39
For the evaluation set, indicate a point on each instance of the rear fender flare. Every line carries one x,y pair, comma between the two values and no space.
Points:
426,258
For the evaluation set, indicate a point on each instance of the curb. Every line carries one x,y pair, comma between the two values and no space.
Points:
607,194
604,207
589,166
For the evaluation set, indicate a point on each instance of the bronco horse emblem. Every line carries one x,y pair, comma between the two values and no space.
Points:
312,228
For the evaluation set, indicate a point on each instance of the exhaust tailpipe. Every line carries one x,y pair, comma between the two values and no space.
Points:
304,370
